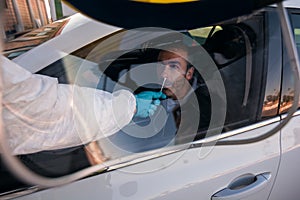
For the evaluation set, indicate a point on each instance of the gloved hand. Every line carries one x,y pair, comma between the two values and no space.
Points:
147,102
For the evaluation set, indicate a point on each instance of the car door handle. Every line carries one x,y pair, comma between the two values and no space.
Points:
243,186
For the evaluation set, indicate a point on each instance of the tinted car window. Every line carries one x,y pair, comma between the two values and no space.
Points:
272,75
237,51
201,34
296,24
287,96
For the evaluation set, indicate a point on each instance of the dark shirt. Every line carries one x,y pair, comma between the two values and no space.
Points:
184,121
193,116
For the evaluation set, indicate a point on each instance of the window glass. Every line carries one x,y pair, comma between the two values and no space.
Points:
297,37
296,24
237,50
274,67
201,34
231,47
287,95
164,63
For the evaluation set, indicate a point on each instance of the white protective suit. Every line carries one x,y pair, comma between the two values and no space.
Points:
41,114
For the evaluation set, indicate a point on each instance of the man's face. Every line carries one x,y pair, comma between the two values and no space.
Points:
173,66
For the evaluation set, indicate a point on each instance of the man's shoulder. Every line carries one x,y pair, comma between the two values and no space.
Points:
202,92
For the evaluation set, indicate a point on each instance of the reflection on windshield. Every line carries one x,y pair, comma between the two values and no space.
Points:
14,48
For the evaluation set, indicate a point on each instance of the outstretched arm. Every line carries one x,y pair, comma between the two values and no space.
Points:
41,114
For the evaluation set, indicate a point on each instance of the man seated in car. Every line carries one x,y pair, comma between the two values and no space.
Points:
189,99
186,111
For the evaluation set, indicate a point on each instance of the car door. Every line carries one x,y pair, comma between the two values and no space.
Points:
243,163
287,181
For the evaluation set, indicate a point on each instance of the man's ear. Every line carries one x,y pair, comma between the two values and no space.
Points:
190,73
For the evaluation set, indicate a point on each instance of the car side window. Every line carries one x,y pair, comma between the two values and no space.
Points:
296,29
237,50
287,94
296,25
201,34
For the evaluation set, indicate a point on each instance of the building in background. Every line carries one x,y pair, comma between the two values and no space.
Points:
59,9
22,16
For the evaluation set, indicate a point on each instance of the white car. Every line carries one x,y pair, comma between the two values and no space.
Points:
236,159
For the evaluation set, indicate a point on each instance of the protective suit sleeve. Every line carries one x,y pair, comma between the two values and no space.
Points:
41,114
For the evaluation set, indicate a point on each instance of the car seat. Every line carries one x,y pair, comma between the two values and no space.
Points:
231,49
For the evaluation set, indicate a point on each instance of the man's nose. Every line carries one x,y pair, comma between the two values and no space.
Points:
165,72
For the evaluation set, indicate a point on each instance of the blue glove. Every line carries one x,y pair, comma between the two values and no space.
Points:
147,103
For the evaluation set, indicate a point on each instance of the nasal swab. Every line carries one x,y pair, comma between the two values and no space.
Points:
162,86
